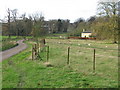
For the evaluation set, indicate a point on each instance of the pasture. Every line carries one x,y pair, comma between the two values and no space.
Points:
20,71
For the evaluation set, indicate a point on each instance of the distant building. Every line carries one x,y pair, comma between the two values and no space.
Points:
86,34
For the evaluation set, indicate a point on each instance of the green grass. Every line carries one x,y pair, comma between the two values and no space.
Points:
20,71
14,37
7,45
5,37
57,36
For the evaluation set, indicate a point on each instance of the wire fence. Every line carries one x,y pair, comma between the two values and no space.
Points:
74,55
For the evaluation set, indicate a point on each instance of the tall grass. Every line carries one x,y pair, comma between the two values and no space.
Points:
7,45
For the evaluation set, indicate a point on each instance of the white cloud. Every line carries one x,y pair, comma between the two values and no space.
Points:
108,0
53,9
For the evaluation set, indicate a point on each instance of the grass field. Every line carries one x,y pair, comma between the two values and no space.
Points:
20,71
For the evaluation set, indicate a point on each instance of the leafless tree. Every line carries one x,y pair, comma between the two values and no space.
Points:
14,19
9,18
107,8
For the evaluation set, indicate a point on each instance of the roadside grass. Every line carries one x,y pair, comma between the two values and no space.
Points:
16,38
12,69
5,37
7,43
20,71
0,75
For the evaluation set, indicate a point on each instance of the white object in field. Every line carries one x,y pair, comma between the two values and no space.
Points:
78,44
106,46
60,36
59,42
89,44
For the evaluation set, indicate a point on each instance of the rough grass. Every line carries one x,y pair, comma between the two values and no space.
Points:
21,72
7,45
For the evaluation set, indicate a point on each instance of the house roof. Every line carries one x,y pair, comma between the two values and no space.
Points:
87,32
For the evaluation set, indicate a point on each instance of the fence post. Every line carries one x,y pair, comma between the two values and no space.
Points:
94,61
32,52
47,53
68,59
35,51
38,47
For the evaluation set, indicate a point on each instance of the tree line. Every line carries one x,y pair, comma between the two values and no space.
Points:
33,25
104,25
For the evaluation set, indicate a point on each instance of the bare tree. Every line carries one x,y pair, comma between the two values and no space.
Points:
107,8
9,15
14,18
38,26
65,25
110,9
78,21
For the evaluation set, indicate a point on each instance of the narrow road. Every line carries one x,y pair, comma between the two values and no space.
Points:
10,52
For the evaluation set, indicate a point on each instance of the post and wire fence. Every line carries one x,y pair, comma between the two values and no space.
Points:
38,49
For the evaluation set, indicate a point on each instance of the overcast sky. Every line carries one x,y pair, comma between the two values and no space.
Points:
52,9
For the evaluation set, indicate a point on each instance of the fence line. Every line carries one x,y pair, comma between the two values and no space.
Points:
37,48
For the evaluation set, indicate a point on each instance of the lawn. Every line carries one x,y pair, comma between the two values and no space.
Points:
20,71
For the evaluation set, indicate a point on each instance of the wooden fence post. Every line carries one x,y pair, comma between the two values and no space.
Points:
94,61
68,59
32,52
38,48
35,51
47,53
